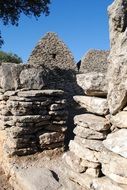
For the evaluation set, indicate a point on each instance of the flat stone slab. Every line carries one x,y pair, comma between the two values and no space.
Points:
83,179
96,145
114,166
30,118
117,142
91,121
93,83
36,179
89,133
93,104
80,166
85,153
50,138
38,93
120,119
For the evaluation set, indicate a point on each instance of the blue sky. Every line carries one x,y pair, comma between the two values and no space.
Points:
81,24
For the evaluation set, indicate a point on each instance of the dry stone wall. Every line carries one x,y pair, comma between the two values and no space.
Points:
33,111
34,120
34,117
82,162
97,157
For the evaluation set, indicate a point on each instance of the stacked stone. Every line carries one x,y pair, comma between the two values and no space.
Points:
52,52
34,120
94,60
83,160
114,156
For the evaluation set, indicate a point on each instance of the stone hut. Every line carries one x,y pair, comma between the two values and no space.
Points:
57,63
52,52
94,60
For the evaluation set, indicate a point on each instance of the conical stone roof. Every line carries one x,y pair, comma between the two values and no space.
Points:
94,60
52,52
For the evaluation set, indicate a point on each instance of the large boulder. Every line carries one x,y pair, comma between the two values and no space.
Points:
117,71
93,83
19,76
32,78
10,76
93,104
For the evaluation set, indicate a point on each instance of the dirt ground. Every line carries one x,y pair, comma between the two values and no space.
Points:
4,185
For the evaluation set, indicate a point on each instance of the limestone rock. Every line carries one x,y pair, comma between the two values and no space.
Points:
71,185
19,152
89,133
17,143
117,142
95,145
80,165
117,70
96,123
10,76
125,109
105,183
55,107
32,78
93,83
38,93
74,162
36,179
83,179
120,119
30,118
93,104
50,138
114,166
83,152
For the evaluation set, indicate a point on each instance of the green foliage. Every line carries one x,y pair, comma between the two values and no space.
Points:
9,57
10,10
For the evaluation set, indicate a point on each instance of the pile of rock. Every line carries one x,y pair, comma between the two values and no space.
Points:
83,160
114,158
97,156
34,120
94,60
